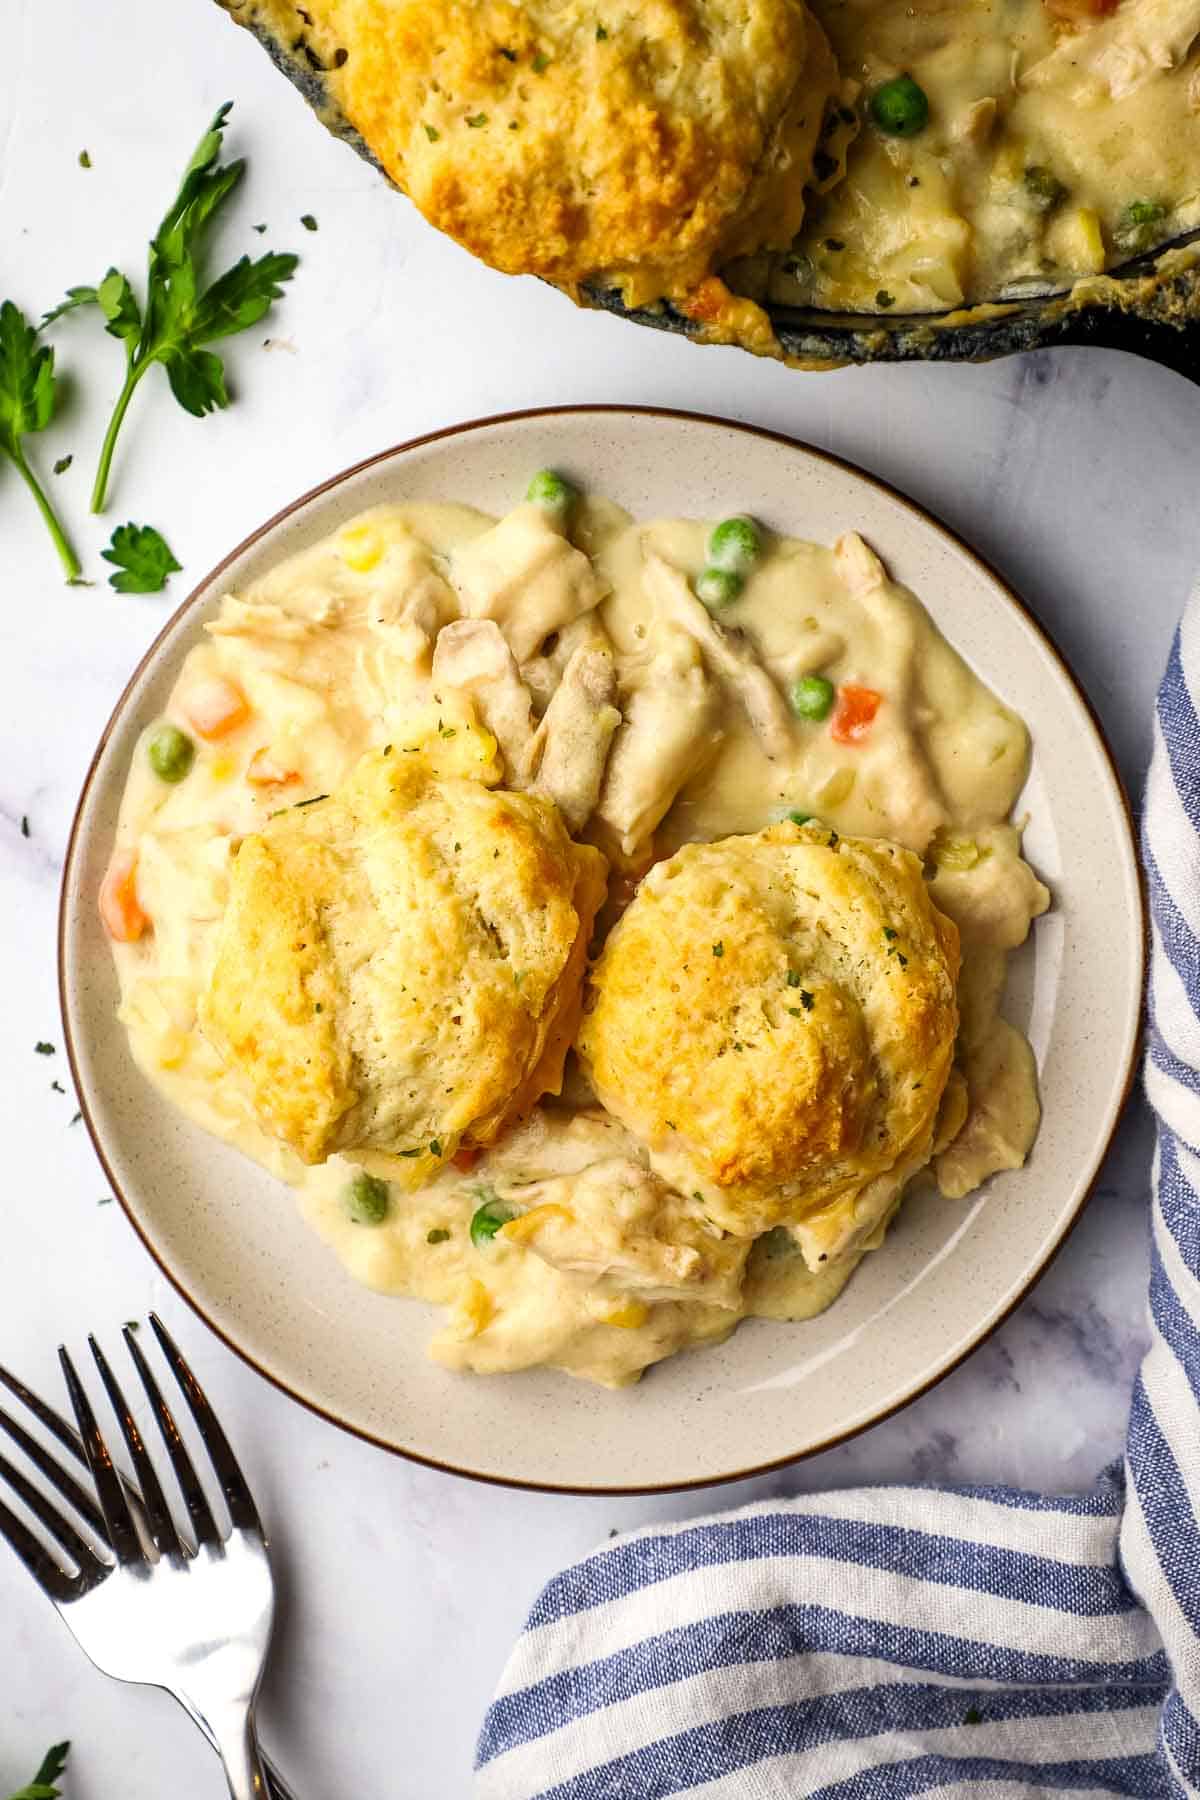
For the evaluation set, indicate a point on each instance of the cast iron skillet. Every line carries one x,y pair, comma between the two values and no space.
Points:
1144,308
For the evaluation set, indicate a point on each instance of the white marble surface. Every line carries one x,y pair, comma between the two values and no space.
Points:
1075,473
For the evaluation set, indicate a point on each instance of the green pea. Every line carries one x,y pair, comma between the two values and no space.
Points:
812,697
718,587
734,545
548,489
487,1220
1138,226
1044,189
171,753
367,1198
900,108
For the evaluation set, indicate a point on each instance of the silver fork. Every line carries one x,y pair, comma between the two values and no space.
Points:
188,1612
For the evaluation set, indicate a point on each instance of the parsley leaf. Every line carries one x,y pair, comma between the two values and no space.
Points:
26,406
180,316
42,1786
143,560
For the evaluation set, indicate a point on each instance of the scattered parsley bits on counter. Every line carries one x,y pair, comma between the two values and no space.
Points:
27,401
42,1048
143,560
181,316
107,1200
308,222
56,1087
259,228
85,161
63,464
75,1119
24,825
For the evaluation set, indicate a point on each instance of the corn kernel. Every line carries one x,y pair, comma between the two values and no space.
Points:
222,768
475,1309
361,547
172,1048
628,1316
528,1224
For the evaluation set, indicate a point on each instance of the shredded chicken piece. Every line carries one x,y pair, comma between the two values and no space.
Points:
617,1222
542,674
472,657
410,602
726,652
1123,51
570,747
915,806
527,576
670,730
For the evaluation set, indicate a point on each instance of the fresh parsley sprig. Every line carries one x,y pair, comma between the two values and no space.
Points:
42,1786
27,396
143,560
180,317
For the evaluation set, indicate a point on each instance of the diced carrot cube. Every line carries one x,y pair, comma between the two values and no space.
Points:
215,706
854,713
120,910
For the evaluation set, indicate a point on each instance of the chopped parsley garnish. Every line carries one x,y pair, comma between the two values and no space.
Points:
76,1119
601,34
435,1148
85,161
308,222
437,1236
432,134
793,978
415,1152
24,825
310,802
476,120
541,63
63,464
57,1087
884,299
972,1716
508,55
718,948
806,1000
890,934
42,1048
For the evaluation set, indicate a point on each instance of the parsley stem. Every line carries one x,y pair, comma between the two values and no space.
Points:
66,554
100,490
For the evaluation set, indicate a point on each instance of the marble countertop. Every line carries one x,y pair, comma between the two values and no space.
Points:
1073,472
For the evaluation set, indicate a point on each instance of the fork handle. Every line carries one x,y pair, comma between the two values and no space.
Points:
277,1788
236,1742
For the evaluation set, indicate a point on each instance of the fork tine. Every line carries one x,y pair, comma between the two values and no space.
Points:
158,1513
54,1472
37,1559
58,1527
234,1485
120,1528
195,1499
53,1421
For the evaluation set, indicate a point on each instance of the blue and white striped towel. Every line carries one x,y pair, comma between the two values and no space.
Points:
887,1642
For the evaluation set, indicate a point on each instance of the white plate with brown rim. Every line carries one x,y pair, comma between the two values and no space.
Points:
233,1242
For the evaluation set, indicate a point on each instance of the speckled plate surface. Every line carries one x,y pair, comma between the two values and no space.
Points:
231,1238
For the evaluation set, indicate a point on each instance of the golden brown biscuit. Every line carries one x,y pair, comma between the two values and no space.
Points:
642,146
775,1016
399,964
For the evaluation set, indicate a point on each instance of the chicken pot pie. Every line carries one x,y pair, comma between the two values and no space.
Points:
414,772
864,156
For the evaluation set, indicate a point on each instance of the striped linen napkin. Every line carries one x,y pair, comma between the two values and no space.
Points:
887,1642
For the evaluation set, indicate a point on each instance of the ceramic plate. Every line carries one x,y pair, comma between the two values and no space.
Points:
231,1239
